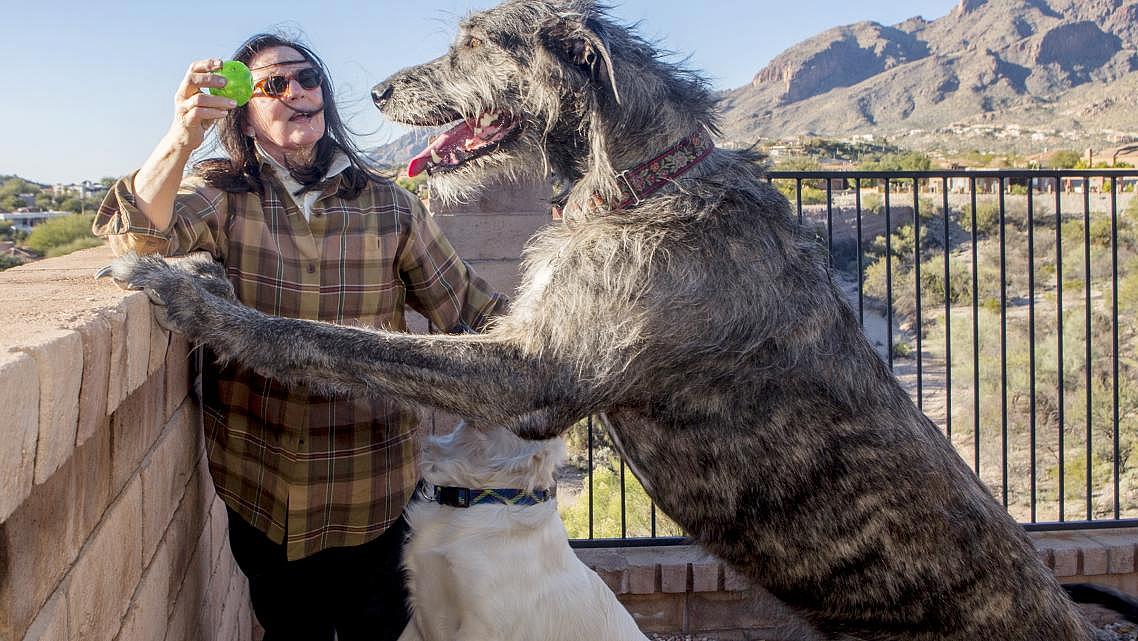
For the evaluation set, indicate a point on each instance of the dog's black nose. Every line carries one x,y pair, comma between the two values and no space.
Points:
381,93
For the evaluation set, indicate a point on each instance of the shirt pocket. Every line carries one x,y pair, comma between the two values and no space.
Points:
361,283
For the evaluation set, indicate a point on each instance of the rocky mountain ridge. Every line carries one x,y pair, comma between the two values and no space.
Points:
1063,70
1005,75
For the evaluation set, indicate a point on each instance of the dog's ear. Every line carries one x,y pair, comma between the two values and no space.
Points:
582,45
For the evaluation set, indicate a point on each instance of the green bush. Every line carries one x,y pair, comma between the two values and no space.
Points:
933,290
874,203
931,208
902,349
902,244
1128,288
1101,231
987,219
606,509
874,282
798,163
1064,159
904,295
412,184
810,195
9,261
906,161
9,232
60,232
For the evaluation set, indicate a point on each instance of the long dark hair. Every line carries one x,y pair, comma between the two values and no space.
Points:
241,172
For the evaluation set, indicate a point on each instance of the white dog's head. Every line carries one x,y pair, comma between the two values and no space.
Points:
496,457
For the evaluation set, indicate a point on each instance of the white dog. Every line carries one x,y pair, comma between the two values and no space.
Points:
499,569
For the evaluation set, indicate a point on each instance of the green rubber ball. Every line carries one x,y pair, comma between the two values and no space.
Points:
239,82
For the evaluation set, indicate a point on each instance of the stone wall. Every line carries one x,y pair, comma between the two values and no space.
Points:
489,232
109,525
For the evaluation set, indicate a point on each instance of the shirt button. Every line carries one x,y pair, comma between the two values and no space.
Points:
311,268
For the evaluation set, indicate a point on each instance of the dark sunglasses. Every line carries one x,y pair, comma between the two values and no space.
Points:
276,86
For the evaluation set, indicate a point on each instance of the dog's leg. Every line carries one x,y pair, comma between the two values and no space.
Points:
485,379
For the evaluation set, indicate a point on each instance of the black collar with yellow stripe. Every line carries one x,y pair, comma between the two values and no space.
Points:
467,497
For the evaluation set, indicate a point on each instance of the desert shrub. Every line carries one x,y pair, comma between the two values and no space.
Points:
60,232
1101,231
933,288
987,219
901,243
810,195
930,208
873,203
607,509
902,349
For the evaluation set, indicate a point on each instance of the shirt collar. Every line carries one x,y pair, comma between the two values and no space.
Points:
340,162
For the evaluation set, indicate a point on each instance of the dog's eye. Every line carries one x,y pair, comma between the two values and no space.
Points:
474,43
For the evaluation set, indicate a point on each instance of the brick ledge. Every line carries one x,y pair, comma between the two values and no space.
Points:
1105,555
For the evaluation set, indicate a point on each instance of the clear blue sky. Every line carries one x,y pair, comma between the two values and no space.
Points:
90,84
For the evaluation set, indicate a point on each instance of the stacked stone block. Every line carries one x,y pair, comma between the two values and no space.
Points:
110,529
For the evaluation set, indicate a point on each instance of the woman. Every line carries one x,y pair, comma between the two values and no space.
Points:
314,486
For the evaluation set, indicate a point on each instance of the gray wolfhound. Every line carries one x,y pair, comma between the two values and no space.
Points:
680,299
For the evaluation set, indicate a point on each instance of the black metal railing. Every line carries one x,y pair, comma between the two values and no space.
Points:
1003,300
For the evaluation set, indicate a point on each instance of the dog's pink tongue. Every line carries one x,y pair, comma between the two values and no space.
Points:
448,138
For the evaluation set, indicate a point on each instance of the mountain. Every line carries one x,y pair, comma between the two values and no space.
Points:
1023,74
1006,75
402,149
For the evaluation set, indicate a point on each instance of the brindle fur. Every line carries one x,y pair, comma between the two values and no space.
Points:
703,322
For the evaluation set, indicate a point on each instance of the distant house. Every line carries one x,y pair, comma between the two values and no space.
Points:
85,189
25,220
1126,153
1045,184
9,248
963,185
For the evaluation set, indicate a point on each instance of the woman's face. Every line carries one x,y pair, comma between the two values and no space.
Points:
289,124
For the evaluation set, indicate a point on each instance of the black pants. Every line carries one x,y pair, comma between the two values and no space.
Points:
356,593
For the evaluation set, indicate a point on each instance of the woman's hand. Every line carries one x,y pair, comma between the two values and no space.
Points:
156,183
195,111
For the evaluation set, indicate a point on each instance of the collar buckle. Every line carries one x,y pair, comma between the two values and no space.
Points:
623,175
453,496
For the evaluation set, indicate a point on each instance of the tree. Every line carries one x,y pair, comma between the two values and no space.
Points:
908,161
10,202
1065,159
59,232
16,186
798,163
412,184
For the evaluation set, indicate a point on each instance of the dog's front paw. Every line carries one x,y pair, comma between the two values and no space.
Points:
210,273
173,291
131,271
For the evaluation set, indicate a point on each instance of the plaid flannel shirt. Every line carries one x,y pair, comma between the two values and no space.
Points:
310,471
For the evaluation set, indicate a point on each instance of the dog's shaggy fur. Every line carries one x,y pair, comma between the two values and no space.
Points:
702,321
501,572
